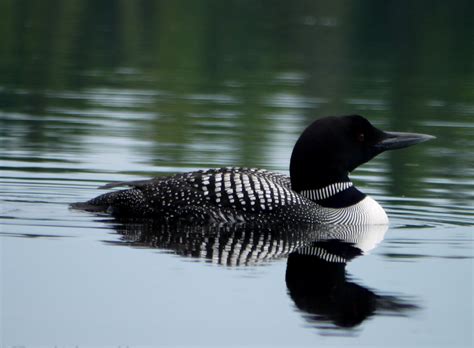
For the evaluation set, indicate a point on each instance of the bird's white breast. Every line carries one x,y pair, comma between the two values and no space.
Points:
366,212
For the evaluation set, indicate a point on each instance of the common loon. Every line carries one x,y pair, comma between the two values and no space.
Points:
318,190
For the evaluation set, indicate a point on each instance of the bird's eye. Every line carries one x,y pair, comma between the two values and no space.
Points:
361,137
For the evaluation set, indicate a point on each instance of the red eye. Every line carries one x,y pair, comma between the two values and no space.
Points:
361,137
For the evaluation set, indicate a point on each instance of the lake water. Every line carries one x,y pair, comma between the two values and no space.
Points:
100,91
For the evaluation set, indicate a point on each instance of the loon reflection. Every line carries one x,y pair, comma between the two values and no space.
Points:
318,283
316,277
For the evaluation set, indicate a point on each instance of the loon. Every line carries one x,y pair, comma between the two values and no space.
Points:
318,190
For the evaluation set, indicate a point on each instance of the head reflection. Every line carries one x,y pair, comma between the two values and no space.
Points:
316,275
319,285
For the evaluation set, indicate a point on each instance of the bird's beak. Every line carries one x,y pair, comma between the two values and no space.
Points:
399,140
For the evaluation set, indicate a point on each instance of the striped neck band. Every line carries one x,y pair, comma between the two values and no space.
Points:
327,191
321,253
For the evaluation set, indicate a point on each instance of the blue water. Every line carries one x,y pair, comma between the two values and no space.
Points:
73,278
113,91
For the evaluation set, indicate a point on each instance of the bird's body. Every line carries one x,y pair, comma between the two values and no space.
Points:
318,190
233,195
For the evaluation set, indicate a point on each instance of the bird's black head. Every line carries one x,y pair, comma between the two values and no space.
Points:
331,147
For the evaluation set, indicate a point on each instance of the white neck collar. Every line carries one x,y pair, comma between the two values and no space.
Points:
327,191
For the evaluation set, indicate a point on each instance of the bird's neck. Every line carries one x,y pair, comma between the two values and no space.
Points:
328,185
336,195
335,192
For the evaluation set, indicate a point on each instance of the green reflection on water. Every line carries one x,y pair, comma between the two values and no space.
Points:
238,68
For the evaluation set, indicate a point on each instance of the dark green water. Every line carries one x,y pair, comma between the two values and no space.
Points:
99,91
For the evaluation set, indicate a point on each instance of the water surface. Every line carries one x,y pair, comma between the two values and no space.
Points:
111,91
